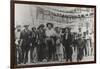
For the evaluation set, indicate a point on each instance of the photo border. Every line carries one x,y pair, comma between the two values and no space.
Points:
12,34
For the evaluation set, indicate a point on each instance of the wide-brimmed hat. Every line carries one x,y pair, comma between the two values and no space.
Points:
49,24
41,26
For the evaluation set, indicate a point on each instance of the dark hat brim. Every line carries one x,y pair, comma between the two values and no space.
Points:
49,24
26,25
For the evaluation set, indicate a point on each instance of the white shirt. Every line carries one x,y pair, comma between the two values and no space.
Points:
17,36
66,36
87,36
50,32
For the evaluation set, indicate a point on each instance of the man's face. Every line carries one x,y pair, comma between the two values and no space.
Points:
84,33
49,26
87,32
57,30
18,30
80,30
34,29
26,27
66,31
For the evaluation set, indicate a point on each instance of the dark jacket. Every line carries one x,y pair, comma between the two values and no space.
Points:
25,37
41,36
68,41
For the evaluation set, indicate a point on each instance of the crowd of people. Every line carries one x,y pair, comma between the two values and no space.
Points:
49,43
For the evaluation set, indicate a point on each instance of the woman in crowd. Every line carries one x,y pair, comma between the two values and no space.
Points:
80,46
59,46
67,41
41,48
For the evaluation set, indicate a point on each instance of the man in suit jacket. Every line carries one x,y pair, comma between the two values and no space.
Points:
25,37
33,47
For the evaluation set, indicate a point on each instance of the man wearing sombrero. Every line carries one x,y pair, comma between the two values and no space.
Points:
50,33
